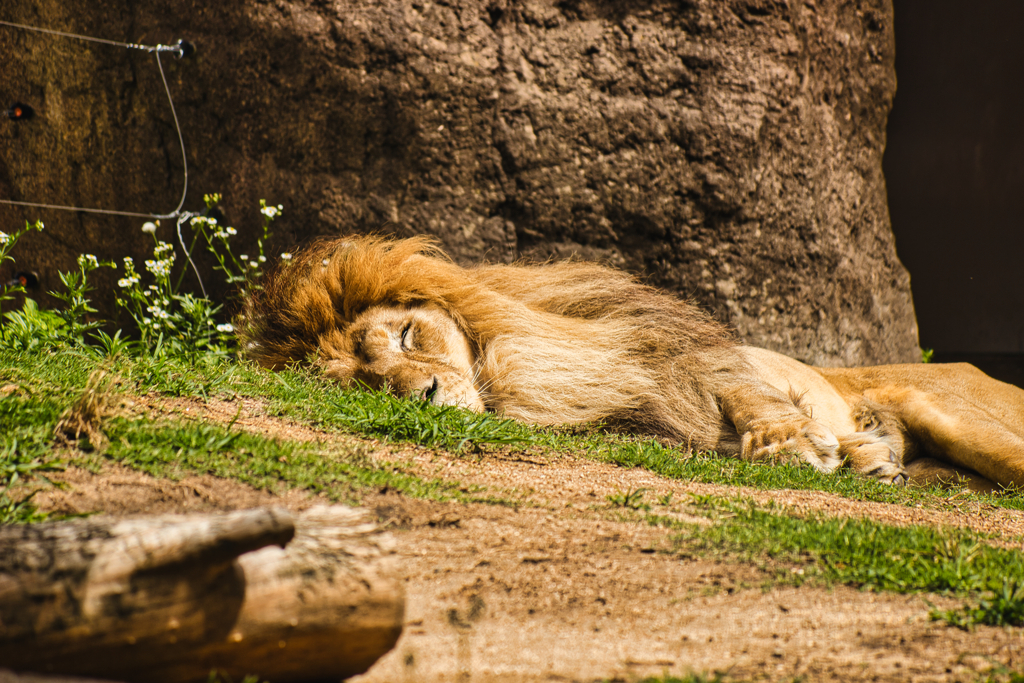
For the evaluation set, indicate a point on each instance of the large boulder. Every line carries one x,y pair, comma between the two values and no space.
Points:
730,151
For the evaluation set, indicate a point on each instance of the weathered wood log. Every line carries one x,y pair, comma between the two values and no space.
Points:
170,598
8,676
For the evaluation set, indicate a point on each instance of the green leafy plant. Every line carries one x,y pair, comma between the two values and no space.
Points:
1002,605
76,303
632,499
7,244
31,328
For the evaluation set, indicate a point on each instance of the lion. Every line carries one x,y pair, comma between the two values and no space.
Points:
574,342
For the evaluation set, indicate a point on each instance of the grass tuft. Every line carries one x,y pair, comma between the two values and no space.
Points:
859,552
26,435
175,450
711,468
1001,606
866,554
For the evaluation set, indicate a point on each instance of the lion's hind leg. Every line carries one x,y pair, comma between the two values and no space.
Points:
931,472
960,430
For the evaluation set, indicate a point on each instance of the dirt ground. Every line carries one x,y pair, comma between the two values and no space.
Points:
560,588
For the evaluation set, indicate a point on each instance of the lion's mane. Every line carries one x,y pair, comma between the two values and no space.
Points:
565,342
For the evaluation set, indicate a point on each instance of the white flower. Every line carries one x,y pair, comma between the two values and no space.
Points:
263,259
149,227
211,221
161,247
253,264
226,327
286,256
270,211
4,238
160,268
127,281
128,262
244,257
198,220
158,312
221,234
88,260
232,231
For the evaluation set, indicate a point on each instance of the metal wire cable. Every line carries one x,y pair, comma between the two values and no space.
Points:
183,218
62,34
155,50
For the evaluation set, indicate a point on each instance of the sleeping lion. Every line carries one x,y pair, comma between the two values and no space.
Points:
571,342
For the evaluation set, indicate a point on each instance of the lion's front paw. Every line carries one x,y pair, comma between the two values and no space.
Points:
803,437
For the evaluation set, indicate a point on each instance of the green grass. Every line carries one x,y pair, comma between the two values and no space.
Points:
861,552
50,381
865,554
175,450
710,468
42,385
299,395
1002,606
26,453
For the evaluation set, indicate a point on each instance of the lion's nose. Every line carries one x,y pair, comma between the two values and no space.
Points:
432,391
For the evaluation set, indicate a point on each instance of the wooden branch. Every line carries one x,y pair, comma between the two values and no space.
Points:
170,598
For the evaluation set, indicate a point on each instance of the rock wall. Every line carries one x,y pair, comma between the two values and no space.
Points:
730,151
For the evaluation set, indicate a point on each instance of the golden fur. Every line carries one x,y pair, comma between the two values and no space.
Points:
576,342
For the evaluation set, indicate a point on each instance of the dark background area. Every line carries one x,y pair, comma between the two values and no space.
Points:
954,167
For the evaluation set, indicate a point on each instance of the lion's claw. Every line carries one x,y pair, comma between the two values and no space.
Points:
888,474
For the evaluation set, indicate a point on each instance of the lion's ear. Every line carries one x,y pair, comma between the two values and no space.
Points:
340,369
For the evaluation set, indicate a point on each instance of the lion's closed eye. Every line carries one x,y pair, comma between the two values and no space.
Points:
407,338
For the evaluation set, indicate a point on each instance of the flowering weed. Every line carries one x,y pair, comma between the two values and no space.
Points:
76,304
7,243
182,324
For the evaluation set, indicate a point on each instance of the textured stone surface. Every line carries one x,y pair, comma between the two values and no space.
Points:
730,151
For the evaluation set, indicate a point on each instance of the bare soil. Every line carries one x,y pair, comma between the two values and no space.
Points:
562,585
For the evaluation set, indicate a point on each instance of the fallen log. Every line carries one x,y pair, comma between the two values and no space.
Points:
171,598
7,676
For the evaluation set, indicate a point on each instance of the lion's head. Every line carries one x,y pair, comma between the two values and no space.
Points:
411,351
554,343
